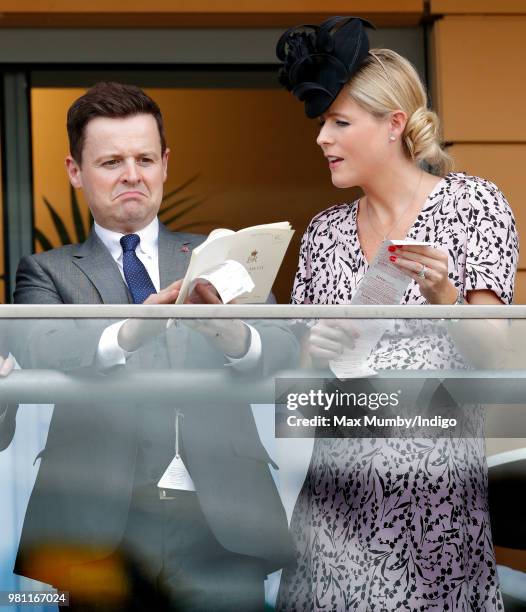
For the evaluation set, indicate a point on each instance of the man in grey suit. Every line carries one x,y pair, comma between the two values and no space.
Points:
97,515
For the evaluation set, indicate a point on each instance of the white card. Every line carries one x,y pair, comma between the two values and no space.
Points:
383,283
176,476
230,279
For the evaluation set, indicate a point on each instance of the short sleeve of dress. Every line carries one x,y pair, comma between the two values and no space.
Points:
302,281
492,242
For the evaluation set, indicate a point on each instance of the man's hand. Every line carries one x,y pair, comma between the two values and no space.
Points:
135,332
168,295
226,335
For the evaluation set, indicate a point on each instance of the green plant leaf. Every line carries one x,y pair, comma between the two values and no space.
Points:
59,224
182,212
178,202
45,243
191,180
77,216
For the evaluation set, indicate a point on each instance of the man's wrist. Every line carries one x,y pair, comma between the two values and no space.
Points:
237,349
135,332
127,337
252,356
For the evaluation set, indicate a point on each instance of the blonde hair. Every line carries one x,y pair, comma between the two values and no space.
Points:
387,82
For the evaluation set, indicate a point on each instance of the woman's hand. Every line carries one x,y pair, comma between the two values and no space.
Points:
428,267
328,339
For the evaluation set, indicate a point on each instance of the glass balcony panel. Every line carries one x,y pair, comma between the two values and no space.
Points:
105,437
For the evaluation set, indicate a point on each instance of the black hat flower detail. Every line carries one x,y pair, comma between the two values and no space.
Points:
319,60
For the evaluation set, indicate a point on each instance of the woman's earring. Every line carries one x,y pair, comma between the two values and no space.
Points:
392,138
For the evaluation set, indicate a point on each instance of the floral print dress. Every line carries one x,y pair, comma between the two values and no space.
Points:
402,524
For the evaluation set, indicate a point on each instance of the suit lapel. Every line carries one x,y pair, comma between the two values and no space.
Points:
174,255
94,259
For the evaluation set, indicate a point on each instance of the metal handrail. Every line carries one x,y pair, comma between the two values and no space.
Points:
48,386
256,311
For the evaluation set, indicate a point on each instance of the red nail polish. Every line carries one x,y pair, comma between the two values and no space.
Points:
391,248
392,258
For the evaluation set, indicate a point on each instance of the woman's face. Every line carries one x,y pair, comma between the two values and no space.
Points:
355,143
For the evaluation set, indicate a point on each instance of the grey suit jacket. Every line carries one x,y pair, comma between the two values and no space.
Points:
82,492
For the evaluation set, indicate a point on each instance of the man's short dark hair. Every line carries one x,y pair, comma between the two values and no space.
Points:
113,100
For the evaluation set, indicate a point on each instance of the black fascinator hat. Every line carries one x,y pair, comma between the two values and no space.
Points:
319,60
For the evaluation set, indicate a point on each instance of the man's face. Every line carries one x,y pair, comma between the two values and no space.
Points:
122,171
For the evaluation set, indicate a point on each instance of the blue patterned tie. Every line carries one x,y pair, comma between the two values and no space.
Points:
139,282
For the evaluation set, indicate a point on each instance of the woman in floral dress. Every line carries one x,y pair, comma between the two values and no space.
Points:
392,524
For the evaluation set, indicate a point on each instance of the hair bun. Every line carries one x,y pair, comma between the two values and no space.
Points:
422,136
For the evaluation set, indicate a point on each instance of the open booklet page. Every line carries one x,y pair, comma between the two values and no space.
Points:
383,284
241,264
